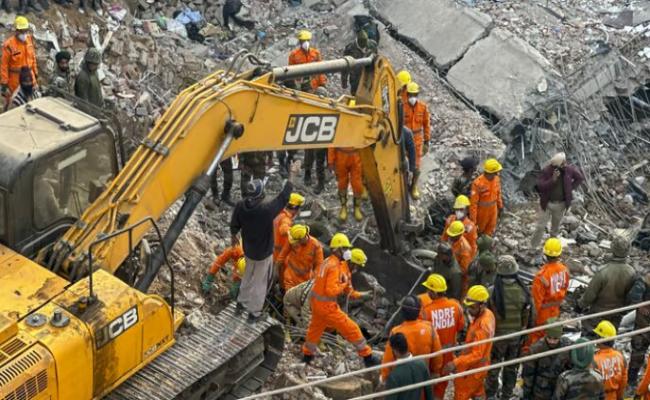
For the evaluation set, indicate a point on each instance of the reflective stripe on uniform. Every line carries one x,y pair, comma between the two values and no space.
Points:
321,298
360,344
301,272
552,304
486,203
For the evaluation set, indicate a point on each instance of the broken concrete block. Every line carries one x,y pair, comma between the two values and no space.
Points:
501,74
346,388
438,27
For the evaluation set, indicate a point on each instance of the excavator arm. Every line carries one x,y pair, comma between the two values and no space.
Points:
225,114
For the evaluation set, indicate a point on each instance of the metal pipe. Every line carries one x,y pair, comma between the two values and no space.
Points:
321,67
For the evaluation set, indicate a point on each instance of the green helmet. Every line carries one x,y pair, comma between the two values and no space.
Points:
487,260
555,331
507,265
93,56
582,357
484,243
620,246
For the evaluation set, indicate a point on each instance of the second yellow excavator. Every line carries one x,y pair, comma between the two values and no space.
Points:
69,328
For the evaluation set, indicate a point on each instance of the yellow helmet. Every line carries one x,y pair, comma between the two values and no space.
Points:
456,229
296,200
436,283
339,240
553,247
359,257
241,266
461,202
403,77
298,232
477,294
492,166
413,88
21,23
605,329
304,35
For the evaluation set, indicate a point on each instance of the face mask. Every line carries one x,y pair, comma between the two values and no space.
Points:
305,45
27,90
347,255
460,214
413,100
22,37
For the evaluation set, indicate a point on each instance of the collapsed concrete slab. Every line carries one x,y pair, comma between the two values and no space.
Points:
503,75
438,27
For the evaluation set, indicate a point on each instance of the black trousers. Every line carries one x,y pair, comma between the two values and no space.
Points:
318,156
226,167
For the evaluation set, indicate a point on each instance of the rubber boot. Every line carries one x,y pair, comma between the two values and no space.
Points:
364,194
371,361
415,193
358,215
306,358
343,214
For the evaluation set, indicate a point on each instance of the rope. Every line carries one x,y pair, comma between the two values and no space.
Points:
500,365
444,351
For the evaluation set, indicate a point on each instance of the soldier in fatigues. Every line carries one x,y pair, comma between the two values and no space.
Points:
640,343
580,382
511,304
540,376
361,47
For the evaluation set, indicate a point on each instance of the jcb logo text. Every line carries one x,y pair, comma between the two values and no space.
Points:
117,327
311,128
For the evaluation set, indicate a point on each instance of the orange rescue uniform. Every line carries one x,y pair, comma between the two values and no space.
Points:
347,165
642,390
549,289
281,225
464,256
447,318
300,56
417,119
485,202
299,262
15,55
471,234
421,339
613,368
233,254
332,280
472,386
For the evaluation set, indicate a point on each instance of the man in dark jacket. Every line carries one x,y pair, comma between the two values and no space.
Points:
445,264
254,218
361,47
407,373
556,184
87,85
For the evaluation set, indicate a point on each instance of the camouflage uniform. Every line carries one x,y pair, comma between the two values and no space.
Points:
463,185
640,343
252,165
482,270
361,47
579,384
540,376
453,275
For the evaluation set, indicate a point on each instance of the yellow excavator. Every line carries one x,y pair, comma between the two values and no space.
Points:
71,221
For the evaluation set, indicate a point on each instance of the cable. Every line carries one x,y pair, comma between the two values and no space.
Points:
501,364
444,351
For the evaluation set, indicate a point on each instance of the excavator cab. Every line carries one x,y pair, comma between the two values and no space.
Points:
55,161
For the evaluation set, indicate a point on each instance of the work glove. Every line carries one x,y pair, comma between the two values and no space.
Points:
206,285
425,148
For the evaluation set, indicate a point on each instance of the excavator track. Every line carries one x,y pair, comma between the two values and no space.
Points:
226,358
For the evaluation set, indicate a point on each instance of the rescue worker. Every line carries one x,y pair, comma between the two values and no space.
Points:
252,166
283,222
555,185
234,254
445,264
17,52
63,79
334,278
361,47
511,304
461,249
254,218
26,92
447,318
297,305
486,202
346,163
480,328
463,183
87,85
609,287
420,336
483,270
403,79
580,382
418,120
640,343
409,373
461,213
230,10
540,376
228,177
300,257
643,391
611,363
549,286
304,54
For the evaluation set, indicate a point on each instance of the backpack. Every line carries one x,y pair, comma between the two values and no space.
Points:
368,24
